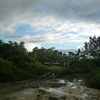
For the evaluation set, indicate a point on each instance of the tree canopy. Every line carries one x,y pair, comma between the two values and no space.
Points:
16,63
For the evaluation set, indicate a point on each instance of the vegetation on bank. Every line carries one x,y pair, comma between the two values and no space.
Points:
16,63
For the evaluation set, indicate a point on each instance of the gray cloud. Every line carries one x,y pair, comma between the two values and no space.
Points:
51,17
15,8
81,10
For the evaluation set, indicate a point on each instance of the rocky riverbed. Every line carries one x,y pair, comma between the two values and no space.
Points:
49,89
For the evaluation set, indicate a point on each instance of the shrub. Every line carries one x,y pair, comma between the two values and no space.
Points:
94,79
66,71
6,70
54,69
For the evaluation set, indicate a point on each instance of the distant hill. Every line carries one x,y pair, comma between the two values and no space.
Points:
67,50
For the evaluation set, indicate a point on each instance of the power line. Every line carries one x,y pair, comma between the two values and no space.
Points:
81,9
75,7
68,5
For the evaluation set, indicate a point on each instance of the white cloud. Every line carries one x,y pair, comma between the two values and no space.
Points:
50,21
57,31
30,46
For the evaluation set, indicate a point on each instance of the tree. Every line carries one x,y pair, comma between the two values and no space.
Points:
1,41
92,50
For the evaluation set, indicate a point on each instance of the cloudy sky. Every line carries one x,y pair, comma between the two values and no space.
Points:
63,24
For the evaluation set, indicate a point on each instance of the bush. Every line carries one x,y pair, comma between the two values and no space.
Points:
82,66
6,70
9,72
94,79
54,69
66,71
78,67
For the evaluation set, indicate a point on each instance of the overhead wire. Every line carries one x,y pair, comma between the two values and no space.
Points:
68,4
81,9
75,7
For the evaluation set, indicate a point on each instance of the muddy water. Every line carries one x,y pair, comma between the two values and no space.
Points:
52,90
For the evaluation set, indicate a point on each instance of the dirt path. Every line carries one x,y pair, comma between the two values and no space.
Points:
47,90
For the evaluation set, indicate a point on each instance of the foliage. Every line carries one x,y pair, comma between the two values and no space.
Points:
47,55
54,69
93,47
6,70
16,63
94,79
